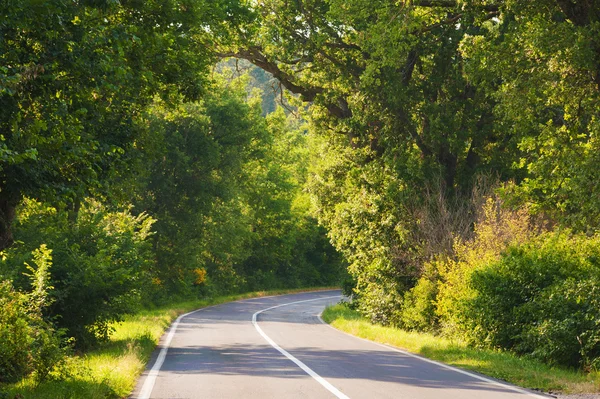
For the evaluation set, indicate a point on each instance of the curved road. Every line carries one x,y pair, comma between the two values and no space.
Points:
277,347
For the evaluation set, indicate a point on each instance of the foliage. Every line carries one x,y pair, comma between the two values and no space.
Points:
29,342
540,64
447,90
73,80
101,263
288,248
539,299
434,303
497,228
364,224
190,181
518,370
419,303
406,96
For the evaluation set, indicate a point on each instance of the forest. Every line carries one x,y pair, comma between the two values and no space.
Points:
439,159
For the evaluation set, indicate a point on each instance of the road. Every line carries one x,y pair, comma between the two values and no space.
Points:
277,347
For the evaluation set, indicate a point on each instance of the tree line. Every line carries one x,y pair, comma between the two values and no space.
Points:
134,172
460,175
448,149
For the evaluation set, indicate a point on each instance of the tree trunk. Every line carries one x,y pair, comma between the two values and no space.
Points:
73,211
448,161
7,216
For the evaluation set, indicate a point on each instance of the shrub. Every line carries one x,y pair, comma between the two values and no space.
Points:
541,299
102,262
380,294
568,329
16,334
28,342
496,228
418,308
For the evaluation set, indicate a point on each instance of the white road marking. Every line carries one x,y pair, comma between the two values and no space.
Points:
479,377
146,390
150,380
285,353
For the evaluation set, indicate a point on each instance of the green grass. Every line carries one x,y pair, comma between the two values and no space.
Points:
112,370
520,371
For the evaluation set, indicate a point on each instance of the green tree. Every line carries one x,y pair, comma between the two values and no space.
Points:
422,97
193,160
73,78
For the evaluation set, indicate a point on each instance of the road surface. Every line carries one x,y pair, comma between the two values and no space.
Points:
277,347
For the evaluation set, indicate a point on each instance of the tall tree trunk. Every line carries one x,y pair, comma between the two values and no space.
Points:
448,162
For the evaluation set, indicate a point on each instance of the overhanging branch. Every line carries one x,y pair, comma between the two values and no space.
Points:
451,4
307,93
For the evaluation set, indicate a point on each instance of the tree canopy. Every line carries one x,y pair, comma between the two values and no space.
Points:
182,148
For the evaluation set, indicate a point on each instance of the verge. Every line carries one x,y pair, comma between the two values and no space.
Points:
520,371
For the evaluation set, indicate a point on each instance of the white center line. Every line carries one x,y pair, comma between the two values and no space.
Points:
285,353
150,380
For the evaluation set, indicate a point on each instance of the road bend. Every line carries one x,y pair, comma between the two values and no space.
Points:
277,347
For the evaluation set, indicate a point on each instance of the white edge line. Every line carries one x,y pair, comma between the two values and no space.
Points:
150,380
446,366
146,390
285,353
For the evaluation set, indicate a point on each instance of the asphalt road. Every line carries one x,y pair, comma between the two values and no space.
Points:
277,347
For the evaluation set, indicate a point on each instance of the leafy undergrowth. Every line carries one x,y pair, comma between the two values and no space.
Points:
520,371
112,370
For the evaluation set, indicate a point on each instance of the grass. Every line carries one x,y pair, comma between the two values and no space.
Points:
112,370
520,371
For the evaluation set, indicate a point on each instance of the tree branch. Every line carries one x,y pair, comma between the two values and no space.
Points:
450,4
307,93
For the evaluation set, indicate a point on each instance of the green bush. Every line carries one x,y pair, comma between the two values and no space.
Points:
381,295
418,308
497,227
16,335
569,330
541,299
28,342
102,263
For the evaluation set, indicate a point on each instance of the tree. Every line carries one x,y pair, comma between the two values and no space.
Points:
423,97
436,88
73,78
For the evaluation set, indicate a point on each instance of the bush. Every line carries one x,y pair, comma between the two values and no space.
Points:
380,294
16,334
102,263
496,229
541,299
569,331
418,308
28,342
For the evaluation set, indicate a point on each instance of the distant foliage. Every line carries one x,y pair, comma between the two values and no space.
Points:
225,185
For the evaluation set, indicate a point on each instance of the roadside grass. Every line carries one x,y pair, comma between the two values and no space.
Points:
112,370
524,372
